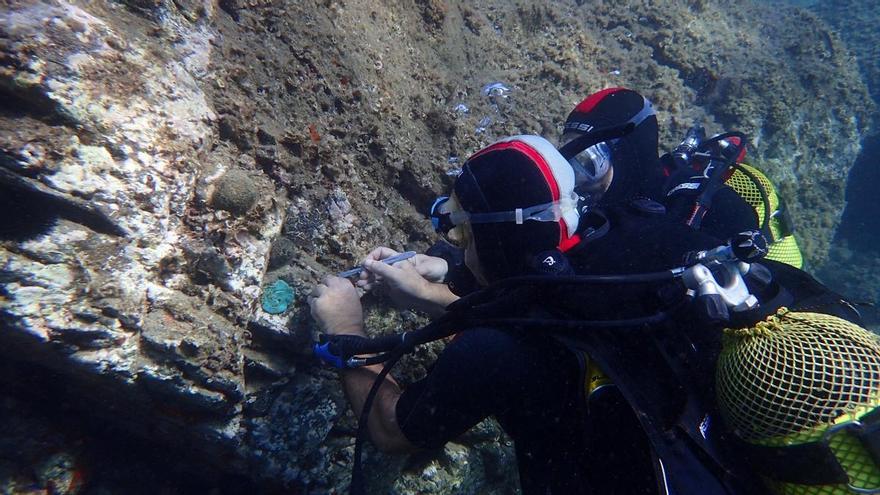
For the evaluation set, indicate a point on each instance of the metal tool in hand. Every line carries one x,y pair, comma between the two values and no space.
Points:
389,260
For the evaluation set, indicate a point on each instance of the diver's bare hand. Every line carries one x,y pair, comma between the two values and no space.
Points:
410,289
431,268
336,307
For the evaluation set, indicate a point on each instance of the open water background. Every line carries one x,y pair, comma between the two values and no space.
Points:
854,266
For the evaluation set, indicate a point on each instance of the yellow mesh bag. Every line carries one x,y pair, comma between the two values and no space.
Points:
787,379
785,249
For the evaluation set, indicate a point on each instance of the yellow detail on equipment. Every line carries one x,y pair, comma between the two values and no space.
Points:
749,182
788,379
596,378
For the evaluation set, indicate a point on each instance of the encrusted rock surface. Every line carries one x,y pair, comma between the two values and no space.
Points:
129,283
859,27
162,161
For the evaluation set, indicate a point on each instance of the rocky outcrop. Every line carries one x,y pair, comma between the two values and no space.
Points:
116,273
162,161
860,30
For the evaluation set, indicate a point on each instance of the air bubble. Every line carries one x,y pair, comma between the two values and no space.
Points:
484,123
496,90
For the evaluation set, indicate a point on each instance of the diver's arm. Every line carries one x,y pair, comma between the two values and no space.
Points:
337,309
382,424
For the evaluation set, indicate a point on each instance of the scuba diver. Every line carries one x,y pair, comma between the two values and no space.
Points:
698,182
621,349
515,212
732,201
706,185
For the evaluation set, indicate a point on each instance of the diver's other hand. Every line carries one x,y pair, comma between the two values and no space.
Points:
336,307
431,268
410,289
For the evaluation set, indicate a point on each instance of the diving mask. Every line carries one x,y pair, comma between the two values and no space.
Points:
444,219
592,164
588,149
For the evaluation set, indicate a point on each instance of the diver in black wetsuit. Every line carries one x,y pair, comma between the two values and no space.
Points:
569,402
742,199
739,203
514,210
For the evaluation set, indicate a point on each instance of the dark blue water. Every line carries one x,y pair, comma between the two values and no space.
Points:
860,226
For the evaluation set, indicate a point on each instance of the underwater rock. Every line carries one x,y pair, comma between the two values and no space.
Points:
283,250
234,192
266,138
60,473
287,441
36,456
208,266
230,130
858,25
107,128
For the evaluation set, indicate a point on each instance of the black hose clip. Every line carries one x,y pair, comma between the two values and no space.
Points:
684,152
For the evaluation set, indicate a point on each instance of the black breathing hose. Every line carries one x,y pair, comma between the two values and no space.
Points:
357,486
429,333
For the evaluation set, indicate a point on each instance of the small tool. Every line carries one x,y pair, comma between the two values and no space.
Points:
389,260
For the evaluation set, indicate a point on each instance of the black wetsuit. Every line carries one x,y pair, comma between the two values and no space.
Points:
729,214
533,385
529,383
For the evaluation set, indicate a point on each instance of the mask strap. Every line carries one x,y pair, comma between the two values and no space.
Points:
581,143
546,212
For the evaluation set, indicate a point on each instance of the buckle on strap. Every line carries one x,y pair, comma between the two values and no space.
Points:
866,434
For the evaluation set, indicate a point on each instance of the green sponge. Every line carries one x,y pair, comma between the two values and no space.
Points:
277,297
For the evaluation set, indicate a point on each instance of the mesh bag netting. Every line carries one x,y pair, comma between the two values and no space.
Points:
749,191
785,249
795,372
787,379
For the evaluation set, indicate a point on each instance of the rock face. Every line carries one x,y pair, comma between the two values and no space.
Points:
121,278
163,161
859,29
855,255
